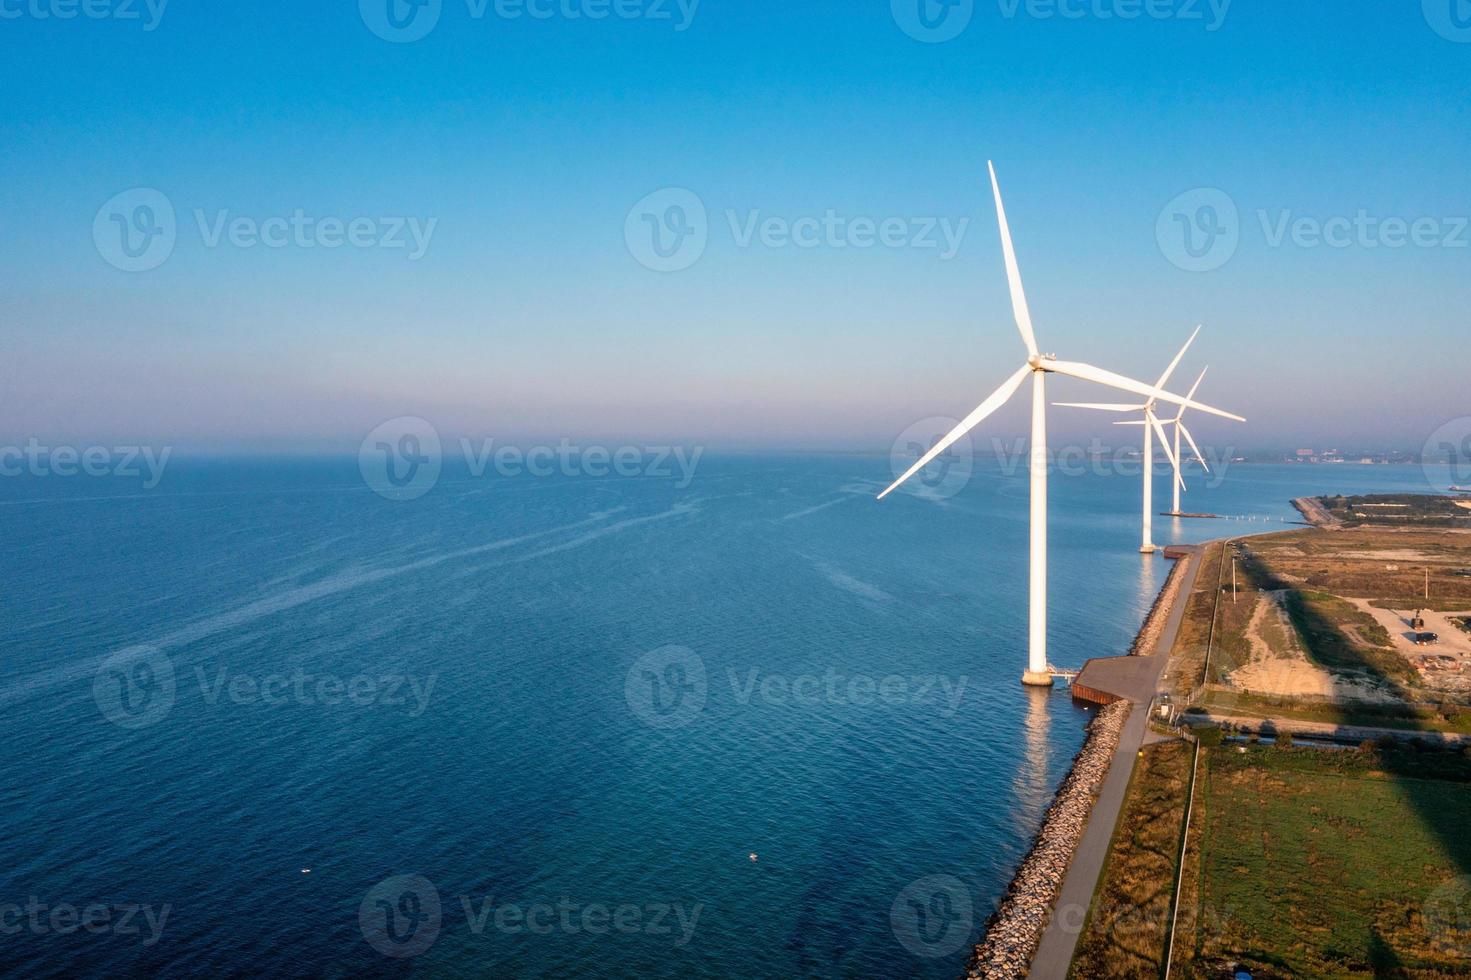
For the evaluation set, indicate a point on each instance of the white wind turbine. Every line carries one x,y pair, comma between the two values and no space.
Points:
1153,426
1037,366
1178,423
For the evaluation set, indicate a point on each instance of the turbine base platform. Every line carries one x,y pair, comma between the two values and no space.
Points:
1148,549
1033,678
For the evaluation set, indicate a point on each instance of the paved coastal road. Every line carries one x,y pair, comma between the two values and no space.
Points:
1055,954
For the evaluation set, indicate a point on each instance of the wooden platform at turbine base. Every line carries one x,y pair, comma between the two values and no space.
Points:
1104,680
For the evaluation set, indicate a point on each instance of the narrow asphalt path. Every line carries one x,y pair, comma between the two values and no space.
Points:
1055,954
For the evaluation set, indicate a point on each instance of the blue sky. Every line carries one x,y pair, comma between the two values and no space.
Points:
525,143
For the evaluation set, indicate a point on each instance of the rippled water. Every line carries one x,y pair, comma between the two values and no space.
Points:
474,688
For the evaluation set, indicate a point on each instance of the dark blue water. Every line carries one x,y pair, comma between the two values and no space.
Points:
860,724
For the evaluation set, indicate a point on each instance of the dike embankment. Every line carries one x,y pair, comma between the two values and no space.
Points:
1014,932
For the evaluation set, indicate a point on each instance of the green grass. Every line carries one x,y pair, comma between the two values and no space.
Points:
1321,864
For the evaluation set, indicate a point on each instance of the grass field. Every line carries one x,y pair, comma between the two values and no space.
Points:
1331,864
1125,932
1406,717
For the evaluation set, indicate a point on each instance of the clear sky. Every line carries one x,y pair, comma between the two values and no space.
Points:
521,146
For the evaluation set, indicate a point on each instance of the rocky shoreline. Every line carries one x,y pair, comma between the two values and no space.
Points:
1159,613
1015,931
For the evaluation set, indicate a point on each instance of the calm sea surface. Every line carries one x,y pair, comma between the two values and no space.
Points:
261,667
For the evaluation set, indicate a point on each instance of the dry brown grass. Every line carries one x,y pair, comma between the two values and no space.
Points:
1125,932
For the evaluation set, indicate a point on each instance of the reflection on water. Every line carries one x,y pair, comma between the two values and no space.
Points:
1032,785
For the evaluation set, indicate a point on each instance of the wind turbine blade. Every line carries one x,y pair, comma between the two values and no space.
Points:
1193,389
1159,430
1100,406
1164,378
1133,422
998,398
1086,372
1013,274
1193,447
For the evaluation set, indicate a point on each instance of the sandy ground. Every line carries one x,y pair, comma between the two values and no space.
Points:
1289,673
1453,642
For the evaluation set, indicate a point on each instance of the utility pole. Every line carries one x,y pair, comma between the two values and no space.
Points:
1427,585
1233,580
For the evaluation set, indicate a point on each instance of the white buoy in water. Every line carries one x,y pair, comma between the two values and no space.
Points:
753,855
